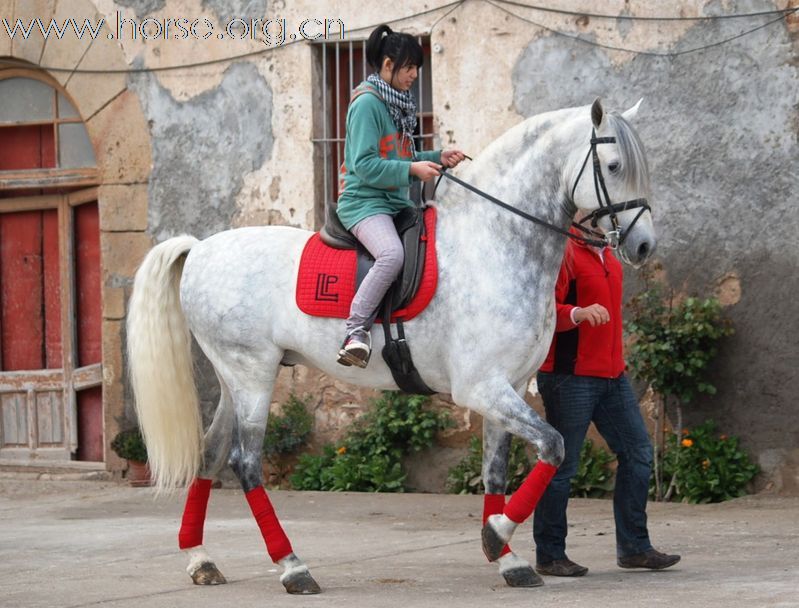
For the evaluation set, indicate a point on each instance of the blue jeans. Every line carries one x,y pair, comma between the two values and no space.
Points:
572,403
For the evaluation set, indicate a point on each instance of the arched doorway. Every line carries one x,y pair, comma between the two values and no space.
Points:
51,405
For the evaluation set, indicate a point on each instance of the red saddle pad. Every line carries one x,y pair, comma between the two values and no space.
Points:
326,279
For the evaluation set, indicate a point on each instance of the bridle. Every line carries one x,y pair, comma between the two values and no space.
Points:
613,239
616,236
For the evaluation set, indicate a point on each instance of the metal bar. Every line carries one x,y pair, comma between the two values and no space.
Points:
352,69
363,59
325,157
337,167
420,114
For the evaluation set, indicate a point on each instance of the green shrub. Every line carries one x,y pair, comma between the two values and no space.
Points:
674,343
709,468
369,458
130,445
466,477
288,431
594,476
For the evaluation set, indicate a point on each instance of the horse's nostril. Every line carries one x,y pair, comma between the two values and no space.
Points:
643,250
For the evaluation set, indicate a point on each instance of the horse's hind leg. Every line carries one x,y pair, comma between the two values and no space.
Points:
496,450
217,444
251,387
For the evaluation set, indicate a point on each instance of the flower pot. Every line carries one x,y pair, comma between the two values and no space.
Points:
139,474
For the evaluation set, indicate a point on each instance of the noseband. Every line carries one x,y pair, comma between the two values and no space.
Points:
617,235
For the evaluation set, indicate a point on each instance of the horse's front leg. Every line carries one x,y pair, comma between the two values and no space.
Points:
496,399
516,571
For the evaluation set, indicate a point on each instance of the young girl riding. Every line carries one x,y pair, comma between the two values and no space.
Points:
380,162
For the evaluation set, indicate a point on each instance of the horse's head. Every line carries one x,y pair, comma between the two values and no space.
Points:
610,184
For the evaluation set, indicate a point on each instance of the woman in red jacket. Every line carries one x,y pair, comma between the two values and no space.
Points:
583,381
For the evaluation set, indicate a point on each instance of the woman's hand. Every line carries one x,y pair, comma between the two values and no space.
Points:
451,158
425,170
596,314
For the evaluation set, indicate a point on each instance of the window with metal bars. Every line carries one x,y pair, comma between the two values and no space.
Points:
340,66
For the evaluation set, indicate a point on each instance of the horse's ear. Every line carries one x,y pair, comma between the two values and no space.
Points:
629,115
597,113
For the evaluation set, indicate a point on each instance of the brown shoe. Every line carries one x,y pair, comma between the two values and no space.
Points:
652,559
561,567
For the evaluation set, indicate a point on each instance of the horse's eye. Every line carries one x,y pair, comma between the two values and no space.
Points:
613,167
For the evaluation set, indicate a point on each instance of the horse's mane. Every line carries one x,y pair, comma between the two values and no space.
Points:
634,169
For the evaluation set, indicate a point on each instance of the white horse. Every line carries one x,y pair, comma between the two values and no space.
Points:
482,337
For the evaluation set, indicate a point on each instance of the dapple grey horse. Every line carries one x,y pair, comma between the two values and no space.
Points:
481,338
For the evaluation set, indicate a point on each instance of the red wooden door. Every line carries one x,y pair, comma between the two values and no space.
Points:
50,313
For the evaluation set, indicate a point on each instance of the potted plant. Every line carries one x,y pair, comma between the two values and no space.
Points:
129,445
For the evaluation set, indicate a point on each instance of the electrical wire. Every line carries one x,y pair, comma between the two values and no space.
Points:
636,51
559,11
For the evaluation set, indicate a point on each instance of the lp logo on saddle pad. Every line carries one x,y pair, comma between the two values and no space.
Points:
327,276
325,288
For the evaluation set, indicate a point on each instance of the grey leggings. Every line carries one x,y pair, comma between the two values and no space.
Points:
378,234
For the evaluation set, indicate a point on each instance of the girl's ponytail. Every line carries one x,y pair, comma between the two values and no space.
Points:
375,45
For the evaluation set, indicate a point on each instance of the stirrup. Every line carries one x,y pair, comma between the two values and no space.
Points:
349,357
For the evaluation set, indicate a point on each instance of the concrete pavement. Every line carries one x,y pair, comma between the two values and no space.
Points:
80,544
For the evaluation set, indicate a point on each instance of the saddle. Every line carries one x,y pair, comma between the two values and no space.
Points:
411,229
410,224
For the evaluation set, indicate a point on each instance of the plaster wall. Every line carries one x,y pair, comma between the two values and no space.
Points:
230,144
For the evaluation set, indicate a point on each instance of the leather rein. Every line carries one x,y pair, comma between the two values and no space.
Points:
613,239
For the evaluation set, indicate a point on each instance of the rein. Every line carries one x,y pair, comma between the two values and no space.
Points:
612,239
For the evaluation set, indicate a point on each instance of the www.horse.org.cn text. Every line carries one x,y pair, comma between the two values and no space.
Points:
270,32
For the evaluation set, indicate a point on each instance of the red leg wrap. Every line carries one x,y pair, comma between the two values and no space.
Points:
277,543
494,504
524,500
191,528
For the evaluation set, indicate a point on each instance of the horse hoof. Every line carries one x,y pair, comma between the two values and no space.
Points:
522,577
492,543
301,583
208,574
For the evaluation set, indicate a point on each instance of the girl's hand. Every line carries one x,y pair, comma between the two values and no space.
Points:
425,170
451,158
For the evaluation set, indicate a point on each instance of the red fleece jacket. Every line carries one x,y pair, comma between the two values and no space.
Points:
586,279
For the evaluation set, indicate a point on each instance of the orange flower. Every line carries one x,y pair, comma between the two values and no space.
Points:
723,437
342,449
685,431
705,463
687,443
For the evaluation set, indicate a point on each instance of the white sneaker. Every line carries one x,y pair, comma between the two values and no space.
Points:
356,349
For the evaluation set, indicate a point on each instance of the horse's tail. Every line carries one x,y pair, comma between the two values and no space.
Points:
161,370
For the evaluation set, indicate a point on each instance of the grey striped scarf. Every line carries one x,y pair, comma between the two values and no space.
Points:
401,106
